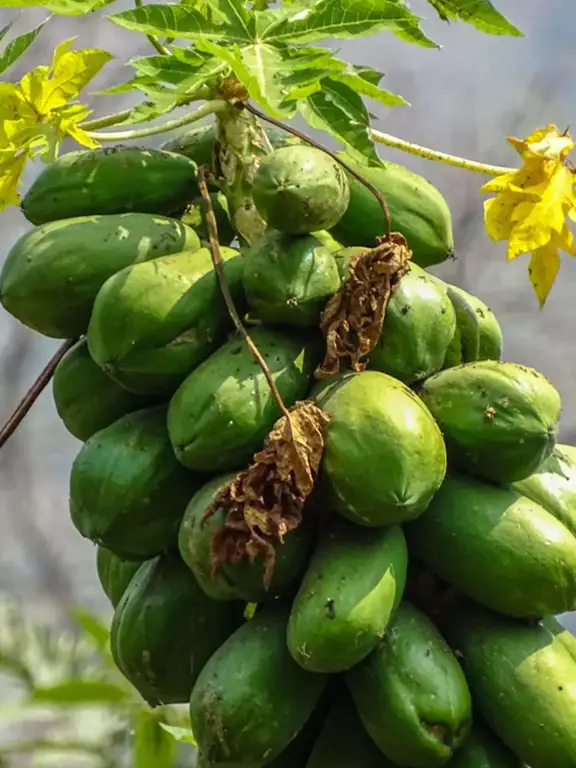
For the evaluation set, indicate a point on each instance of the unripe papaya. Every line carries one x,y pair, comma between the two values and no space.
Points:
300,189
127,490
483,749
384,456
499,548
523,680
480,332
252,699
243,580
221,414
194,217
114,573
111,180
499,420
417,210
53,273
165,629
86,399
411,693
153,323
288,280
348,595
418,327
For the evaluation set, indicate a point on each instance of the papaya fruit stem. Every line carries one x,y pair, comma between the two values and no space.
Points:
358,176
437,156
214,242
34,392
208,108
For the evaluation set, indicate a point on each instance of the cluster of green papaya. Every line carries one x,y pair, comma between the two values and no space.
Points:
439,459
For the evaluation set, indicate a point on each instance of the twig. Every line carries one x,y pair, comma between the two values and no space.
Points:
333,155
225,289
33,393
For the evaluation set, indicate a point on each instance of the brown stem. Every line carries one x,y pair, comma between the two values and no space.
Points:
333,155
225,289
33,393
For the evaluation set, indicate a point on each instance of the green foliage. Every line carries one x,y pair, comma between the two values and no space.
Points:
17,47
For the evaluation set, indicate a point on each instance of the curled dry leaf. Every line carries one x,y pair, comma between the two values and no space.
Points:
352,320
266,501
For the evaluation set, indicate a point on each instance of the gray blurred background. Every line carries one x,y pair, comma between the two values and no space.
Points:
466,98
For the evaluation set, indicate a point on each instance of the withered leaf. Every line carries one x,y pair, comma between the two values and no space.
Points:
353,318
265,502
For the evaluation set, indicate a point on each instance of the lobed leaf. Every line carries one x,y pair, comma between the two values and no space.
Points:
480,13
17,47
60,7
80,692
366,82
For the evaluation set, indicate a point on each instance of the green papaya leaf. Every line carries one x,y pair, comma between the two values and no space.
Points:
183,735
340,110
4,31
235,14
479,13
60,7
74,693
176,71
153,746
18,46
348,19
365,81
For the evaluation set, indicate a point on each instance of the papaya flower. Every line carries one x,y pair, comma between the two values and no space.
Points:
41,110
533,204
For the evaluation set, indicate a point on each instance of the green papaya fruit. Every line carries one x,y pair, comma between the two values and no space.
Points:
252,699
343,257
418,327
127,490
384,456
417,210
343,741
52,274
221,414
111,180
526,558
569,450
483,749
327,240
499,420
289,280
479,328
194,217
348,595
553,486
86,399
154,322
165,629
411,693
561,634
454,352
300,189
114,573
244,580
523,680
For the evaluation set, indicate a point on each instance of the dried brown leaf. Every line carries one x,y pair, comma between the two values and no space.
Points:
352,320
266,501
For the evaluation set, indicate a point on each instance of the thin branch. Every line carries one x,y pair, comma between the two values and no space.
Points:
208,108
439,157
154,40
333,155
33,393
225,289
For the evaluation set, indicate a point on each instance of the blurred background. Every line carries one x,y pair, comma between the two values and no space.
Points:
466,98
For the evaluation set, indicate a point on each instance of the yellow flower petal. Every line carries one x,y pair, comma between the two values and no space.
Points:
11,169
543,270
497,213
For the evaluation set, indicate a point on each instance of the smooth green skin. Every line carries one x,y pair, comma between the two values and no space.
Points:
252,699
499,420
411,693
343,741
417,209
52,274
501,549
523,681
243,580
300,189
127,490
569,450
111,180
194,217
289,280
483,749
418,327
114,573
153,323
552,624
353,584
165,629
553,486
86,399
481,333
327,240
384,456
221,414
454,352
